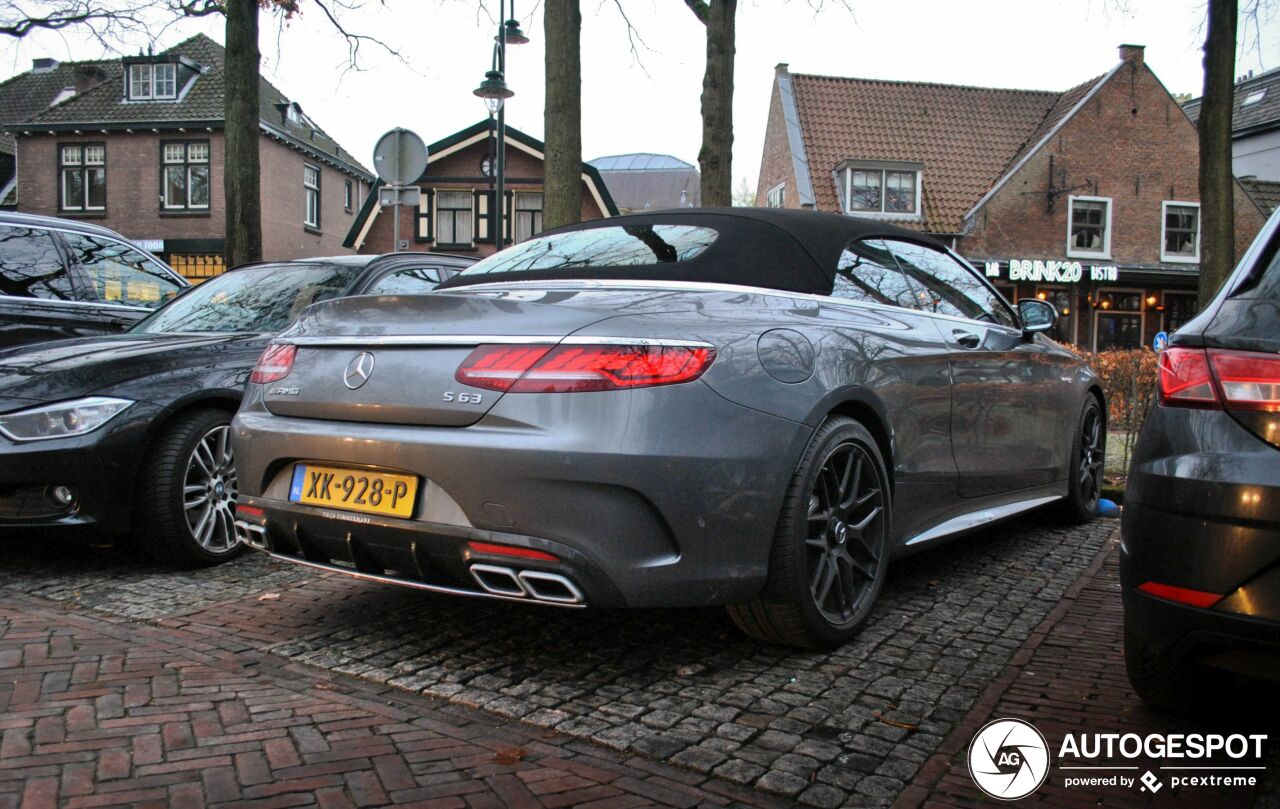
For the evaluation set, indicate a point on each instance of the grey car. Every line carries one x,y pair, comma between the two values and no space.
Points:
754,408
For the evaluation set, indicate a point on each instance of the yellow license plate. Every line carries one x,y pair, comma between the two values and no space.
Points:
371,492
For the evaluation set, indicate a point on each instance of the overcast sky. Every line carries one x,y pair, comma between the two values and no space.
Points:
648,101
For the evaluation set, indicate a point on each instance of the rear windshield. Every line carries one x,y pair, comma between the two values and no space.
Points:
255,299
619,246
1268,285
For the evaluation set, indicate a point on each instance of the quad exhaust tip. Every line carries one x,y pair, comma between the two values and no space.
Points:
550,588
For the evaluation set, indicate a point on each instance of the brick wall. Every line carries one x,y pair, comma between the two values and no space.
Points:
461,171
283,234
1133,142
776,165
133,184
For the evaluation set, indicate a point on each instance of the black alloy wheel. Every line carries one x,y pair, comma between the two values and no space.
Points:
831,548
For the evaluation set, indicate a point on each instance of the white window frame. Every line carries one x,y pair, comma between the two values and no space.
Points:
82,166
1106,232
348,195
850,168
150,71
470,232
781,191
187,163
535,224
1178,258
1141,314
310,192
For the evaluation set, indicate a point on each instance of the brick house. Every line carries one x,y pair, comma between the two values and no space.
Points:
1088,198
141,151
455,213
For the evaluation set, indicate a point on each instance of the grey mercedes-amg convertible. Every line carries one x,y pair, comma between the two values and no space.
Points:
749,407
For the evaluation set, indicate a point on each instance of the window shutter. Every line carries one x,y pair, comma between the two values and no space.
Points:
423,232
508,210
484,216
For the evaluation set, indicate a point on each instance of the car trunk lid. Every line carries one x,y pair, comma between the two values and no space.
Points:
393,359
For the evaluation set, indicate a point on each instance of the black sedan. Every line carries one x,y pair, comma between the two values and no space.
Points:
128,433
1200,538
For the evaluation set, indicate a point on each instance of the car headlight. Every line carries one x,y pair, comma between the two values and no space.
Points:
61,420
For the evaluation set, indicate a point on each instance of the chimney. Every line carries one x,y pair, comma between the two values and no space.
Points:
780,68
44,65
1132,53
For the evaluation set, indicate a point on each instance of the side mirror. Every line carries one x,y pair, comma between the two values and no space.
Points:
1037,315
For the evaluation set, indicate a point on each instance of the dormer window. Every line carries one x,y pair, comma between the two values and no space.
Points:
153,81
890,190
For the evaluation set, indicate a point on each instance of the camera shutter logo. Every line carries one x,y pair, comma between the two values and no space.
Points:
358,370
1008,759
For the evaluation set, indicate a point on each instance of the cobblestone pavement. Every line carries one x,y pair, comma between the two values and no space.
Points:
96,711
850,727
1069,677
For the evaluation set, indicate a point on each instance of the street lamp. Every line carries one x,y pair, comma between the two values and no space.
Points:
494,92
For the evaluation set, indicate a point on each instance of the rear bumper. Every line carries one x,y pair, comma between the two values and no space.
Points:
1205,518
654,497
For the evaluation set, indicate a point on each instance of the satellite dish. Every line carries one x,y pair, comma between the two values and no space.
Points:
400,157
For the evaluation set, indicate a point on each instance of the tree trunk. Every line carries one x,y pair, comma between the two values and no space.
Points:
715,159
1217,185
562,116
241,178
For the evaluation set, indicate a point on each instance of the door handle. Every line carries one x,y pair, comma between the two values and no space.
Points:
967,339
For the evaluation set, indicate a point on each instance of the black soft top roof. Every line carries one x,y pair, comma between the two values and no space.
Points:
773,248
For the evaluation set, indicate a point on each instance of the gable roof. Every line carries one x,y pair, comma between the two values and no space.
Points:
202,103
1262,114
964,136
644,181
30,93
1265,193
460,140
641,161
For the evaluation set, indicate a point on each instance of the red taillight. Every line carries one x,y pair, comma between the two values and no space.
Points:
1197,377
1248,380
511,550
1182,595
274,364
498,367
578,368
1184,378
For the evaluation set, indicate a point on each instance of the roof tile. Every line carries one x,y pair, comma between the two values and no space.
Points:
965,136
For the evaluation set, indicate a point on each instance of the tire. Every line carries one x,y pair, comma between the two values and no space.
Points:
172,523
1165,683
1084,471
827,565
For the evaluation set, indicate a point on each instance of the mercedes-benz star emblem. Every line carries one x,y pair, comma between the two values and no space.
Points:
358,370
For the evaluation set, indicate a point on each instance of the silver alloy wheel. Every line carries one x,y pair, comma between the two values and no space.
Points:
209,491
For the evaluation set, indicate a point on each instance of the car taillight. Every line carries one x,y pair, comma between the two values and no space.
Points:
1249,380
1238,380
578,368
1185,380
274,364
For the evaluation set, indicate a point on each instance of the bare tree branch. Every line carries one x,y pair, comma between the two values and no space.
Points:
700,8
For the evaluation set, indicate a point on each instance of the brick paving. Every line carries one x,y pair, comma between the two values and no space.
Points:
1069,677
96,711
849,727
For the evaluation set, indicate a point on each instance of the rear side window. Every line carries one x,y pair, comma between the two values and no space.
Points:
1268,285
409,281
30,266
121,274
620,246
867,272
948,287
